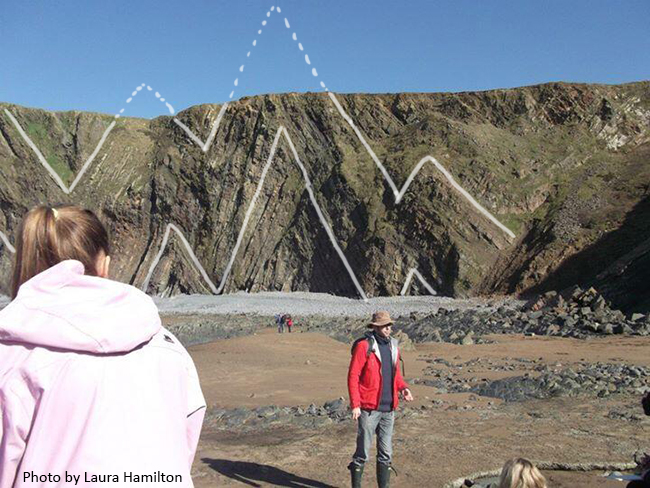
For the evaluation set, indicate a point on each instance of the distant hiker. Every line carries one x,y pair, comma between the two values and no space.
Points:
90,382
283,322
521,473
374,384
289,322
279,321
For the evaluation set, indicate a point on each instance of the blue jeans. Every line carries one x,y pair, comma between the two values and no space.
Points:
374,422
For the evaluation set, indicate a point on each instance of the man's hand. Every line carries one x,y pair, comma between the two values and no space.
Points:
408,396
356,413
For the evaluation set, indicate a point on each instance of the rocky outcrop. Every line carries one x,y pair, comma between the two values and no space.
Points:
600,379
541,381
573,313
269,416
564,166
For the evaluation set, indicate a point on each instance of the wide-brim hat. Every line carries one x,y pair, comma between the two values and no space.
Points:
380,319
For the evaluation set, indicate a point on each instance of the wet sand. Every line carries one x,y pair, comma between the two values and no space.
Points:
464,434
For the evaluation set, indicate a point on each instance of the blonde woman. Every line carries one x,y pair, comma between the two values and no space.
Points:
92,388
521,473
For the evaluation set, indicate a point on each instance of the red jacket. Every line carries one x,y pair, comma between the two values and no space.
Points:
364,376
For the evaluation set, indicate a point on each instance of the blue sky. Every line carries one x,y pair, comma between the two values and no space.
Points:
90,55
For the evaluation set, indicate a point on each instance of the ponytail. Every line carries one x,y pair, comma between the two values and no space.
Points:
49,235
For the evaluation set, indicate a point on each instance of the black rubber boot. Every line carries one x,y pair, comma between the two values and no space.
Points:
383,475
356,472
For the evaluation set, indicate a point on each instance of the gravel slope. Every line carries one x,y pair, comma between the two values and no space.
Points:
308,304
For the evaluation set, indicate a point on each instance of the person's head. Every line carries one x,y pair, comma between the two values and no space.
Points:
49,235
381,323
646,403
521,473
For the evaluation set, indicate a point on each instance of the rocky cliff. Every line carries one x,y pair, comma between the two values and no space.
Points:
566,167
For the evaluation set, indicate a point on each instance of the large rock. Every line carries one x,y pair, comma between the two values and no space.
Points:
405,342
468,339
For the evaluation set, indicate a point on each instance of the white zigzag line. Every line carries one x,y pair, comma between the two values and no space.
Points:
251,206
138,89
47,166
205,146
83,169
193,257
399,194
409,277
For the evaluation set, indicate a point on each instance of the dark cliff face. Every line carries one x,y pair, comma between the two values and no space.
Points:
565,167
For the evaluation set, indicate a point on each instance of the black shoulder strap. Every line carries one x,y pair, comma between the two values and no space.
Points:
366,337
354,344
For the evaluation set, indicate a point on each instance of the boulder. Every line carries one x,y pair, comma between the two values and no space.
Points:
572,293
599,304
405,342
468,339
553,329
585,311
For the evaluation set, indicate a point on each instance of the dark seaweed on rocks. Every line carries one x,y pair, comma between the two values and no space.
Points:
601,380
311,416
572,313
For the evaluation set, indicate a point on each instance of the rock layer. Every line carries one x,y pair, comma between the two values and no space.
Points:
565,166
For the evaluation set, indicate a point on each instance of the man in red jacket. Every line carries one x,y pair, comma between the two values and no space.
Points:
374,385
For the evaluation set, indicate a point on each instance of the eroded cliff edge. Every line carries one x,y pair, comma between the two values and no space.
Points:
566,167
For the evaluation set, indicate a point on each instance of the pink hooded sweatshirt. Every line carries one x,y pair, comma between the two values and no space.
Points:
92,386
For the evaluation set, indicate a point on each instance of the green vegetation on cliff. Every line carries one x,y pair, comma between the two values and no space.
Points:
564,166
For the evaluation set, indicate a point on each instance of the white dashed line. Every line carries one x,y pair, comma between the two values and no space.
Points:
282,130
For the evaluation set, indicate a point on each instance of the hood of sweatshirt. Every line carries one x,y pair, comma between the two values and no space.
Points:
64,309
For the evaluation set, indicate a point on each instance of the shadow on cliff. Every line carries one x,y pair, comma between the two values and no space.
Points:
617,265
250,473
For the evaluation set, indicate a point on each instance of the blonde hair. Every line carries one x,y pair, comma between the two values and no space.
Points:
521,473
49,235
